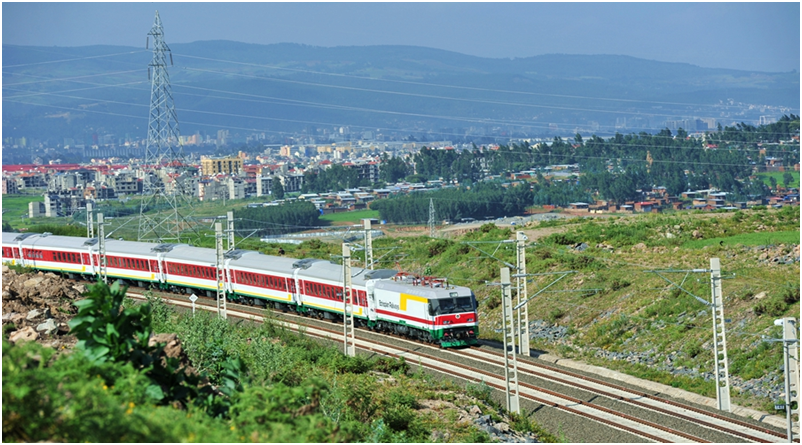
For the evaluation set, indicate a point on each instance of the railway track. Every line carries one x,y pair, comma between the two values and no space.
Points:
584,408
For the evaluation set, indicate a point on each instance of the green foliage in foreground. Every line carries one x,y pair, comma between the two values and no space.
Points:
285,387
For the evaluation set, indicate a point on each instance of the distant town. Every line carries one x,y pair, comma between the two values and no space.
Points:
68,187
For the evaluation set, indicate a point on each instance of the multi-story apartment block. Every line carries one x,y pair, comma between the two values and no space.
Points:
10,186
125,182
231,165
263,185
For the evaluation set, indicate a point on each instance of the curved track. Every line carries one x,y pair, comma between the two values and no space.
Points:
598,410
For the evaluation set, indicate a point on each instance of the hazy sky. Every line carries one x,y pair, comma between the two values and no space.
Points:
751,36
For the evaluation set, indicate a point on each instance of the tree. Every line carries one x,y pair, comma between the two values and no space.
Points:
278,188
773,182
393,169
788,178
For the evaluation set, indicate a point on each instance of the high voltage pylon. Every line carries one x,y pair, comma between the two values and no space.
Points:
432,217
164,180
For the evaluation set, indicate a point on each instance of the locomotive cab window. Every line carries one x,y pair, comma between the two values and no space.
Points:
452,305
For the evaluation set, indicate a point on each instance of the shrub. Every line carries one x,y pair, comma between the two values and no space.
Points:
618,284
791,296
107,332
562,239
774,307
555,314
437,247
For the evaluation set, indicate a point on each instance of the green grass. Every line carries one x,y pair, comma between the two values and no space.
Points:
748,239
354,217
778,176
16,206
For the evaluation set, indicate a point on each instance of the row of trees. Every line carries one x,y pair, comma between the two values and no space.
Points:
480,200
277,220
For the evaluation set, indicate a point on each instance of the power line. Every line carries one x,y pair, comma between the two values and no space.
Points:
407,82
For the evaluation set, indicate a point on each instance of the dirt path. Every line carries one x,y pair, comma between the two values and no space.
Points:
534,233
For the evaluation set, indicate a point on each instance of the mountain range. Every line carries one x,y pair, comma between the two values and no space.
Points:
55,94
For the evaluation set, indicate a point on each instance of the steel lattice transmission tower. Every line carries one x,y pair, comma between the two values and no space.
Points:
166,183
432,219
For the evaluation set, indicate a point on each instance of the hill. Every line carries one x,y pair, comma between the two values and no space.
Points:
398,89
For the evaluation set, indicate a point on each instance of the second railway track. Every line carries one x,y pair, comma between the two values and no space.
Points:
580,407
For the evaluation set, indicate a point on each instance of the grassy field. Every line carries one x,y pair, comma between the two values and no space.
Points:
778,177
353,217
748,239
15,208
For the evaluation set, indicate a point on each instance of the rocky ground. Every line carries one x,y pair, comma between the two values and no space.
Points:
37,307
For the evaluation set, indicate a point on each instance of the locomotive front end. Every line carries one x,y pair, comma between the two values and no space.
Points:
455,319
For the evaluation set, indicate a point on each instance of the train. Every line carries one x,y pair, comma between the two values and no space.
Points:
424,308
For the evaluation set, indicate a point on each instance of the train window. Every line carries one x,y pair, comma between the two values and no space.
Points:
464,304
